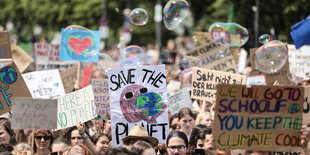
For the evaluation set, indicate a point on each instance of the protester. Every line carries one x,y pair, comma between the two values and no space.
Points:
6,133
137,133
78,149
177,143
204,118
59,146
121,151
22,147
73,136
107,128
42,141
186,121
174,123
101,142
143,148
198,139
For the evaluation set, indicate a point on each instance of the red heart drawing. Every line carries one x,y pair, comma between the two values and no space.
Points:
78,46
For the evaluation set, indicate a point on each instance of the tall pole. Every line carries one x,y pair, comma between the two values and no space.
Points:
158,19
256,22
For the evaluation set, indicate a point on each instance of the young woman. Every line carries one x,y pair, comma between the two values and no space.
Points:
177,143
101,142
143,148
42,141
186,121
6,133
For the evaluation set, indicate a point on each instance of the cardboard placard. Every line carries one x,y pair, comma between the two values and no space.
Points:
5,45
204,82
101,95
76,106
28,113
256,80
306,110
47,57
69,77
265,118
12,85
138,97
201,38
179,100
44,84
22,59
215,56
282,76
299,60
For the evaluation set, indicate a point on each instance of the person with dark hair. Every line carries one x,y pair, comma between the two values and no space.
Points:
101,142
143,148
186,121
60,145
6,133
177,143
121,151
73,136
198,139
174,123
42,141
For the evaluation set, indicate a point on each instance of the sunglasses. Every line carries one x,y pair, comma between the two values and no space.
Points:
56,153
40,137
163,151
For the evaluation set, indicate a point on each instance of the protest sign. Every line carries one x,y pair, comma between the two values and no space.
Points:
215,56
21,58
69,77
179,100
28,113
76,106
101,95
256,80
282,75
306,110
5,45
44,84
138,97
201,38
204,82
12,85
79,45
299,60
47,57
87,74
258,118
173,86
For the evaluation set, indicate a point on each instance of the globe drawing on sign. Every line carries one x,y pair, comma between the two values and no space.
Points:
8,75
150,102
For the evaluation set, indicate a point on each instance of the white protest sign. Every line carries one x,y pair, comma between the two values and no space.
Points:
44,84
34,113
299,60
76,106
101,94
179,100
138,97
256,80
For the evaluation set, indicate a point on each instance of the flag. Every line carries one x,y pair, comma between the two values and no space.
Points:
300,32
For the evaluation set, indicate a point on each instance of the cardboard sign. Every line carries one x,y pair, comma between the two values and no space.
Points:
179,100
79,45
44,84
204,82
28,113
101,94
69,76
256,80
76,106
265,118
282,76
299,60
5,45
21,58
47,57
215,56
201,38
306,110
138,97
12,85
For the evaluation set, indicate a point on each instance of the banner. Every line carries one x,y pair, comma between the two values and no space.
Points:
256,80
179,100
44,84
265,118
138,97
28,113
69,77
76,106
204,82
79,45
12,85
5,45
101,95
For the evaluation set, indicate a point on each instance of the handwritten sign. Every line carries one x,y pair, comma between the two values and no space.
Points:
34,113
138,96
44,84
101,94
204,82
214,56
76,106
47,57
299,60
258,118
179,100
79,45
306,110
201,38
256,80
5,45
69,76
11,85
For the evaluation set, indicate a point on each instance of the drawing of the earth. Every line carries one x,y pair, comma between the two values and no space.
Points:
149,101
8,75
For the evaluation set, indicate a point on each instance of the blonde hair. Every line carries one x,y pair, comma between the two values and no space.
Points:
22,147
201,116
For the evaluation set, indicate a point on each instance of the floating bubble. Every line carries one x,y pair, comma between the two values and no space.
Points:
264,38
138,17
175,11
271,57
72,27
228,34
132,55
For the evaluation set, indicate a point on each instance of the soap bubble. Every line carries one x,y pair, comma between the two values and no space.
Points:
264,38
138,17
132,55
271,57
228,34
175,11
